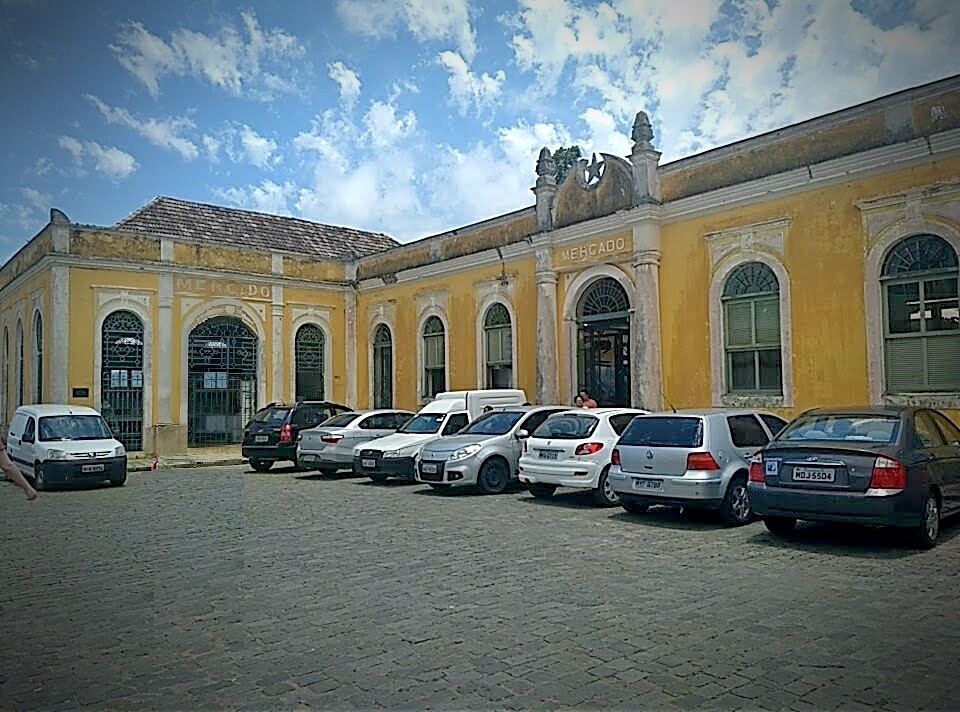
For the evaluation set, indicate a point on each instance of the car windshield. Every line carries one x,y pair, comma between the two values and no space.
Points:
842,428
572,426
664,432
493,423
423,424
271,415
339,421
74,427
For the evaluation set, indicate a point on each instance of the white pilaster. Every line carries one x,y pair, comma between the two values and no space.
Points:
350,329
59,333
647,370
278,360
165,350
547,389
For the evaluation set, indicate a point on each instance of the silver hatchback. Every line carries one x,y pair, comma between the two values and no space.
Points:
329,446
697,458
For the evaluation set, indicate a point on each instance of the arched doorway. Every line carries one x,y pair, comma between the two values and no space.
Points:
382,367
603,342
121,377
222,381
308,354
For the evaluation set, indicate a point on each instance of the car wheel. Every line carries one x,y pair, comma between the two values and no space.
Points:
494,476
735,509
439,486
327,472
634,506
928,531
39,478
542,491
377,477
780,526
120,481
603,495
260,465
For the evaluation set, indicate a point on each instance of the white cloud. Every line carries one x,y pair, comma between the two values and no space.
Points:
468,88
242,144
43,166
26,61
212,147
268,197
165,133
41,201
384,127
348,82
427,20
259,150
248,62
110,161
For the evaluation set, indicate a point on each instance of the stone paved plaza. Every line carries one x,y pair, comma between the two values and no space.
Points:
219,588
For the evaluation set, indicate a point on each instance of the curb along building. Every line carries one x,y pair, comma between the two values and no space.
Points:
813,265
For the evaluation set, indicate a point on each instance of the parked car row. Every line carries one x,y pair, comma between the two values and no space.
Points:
890,466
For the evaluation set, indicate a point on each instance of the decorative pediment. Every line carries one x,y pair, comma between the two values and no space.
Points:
311,311
769,237
939,202
385,311
592,189
122,297
432,299
503,286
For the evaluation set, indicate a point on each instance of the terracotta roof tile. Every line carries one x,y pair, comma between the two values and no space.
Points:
199,222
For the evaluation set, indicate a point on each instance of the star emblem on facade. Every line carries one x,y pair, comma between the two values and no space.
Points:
594,170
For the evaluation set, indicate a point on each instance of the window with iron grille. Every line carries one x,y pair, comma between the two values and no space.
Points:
382,367
309,347
121,377
434,357
498,346
751,330
921,316
38,359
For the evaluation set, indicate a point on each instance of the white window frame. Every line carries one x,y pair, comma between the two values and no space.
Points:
421,366
482,339
377,323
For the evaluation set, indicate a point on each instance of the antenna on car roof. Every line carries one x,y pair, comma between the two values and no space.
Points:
666,401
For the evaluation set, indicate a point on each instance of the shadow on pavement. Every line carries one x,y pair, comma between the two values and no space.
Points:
574,499
670,517
852,540
392,482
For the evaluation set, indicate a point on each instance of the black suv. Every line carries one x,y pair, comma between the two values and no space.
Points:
271,435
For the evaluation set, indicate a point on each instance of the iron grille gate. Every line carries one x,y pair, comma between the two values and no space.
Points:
222,381
604,343
309,349
121,377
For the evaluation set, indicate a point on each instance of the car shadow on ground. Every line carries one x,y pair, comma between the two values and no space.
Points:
675,517
467,491
572,499
853,540
313,475
392,482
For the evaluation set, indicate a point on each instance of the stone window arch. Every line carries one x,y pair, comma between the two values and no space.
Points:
433,335
37,358
498,347
382,346
751,331
310,360
5,376
19,362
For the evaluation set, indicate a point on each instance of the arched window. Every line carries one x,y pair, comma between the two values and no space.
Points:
603,343
382,367
5,377
498,347
434,358
309,347
19,362
38,358
121,377
751,330
921,316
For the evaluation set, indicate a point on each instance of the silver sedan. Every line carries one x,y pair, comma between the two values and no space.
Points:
329,446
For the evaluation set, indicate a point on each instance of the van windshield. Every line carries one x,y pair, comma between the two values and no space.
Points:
423,424
493,424
74,427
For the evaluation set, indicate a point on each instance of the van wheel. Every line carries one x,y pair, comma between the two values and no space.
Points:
780,526
39,478
494,476
120,481
633,505
541,491
260,465
926,533
735,509
603,495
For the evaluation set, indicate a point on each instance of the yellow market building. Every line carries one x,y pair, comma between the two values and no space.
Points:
814,265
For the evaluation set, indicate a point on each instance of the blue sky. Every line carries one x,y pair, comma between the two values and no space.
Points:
410,116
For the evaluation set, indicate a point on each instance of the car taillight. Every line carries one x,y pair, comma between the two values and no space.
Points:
888,474
331,439
286,434
615,457
588,449
756,469
701,461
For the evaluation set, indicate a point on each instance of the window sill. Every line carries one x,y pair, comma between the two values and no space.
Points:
731,400
945,401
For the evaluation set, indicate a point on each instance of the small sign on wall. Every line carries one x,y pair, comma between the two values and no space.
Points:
81,392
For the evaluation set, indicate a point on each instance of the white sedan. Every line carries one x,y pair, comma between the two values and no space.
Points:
573,449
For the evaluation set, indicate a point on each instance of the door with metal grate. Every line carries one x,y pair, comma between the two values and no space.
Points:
603,317
309,347
121,377
222,381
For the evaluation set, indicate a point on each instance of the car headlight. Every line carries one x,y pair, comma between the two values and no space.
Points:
391,454
465,452
119,451
56,455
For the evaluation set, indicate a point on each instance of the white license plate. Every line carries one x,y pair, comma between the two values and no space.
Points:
308,458
91,468
814,474
648,484
261,438
549,454
429,469
368,463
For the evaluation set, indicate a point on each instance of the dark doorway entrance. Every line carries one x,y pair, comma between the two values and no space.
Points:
121,377
603,343
222,381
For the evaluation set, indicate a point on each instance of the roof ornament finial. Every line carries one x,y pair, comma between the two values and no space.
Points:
642,132
545,164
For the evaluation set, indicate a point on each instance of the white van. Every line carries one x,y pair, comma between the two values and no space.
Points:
65,444
395,455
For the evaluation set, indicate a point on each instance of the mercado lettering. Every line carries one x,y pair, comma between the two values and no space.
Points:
592,250
222,288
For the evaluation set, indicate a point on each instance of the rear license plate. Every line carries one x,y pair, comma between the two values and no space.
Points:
261,438
549,454
429,469
814,474
368,463
307,458
648,484
91,468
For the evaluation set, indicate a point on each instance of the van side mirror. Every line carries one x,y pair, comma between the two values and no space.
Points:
27,439
522,435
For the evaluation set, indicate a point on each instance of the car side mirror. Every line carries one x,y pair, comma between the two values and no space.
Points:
522,435
27,439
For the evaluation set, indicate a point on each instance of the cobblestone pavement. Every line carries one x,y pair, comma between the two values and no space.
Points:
219,588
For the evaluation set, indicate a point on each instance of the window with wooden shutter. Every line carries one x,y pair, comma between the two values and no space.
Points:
751,330
434,357
921,316
498,355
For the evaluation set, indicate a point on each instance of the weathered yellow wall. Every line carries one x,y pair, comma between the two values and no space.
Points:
224,258
315,271
96,243
825,252
27,257
39,285
461,335
334,302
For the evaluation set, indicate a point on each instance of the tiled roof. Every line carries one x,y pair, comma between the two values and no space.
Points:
199,222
